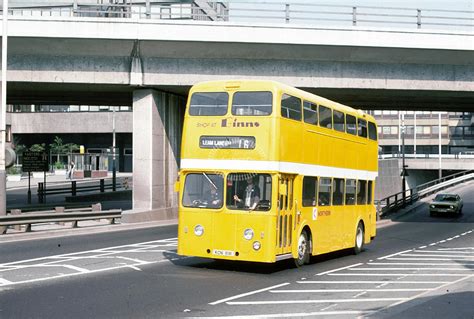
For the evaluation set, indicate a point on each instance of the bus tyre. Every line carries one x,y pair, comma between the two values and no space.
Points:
359,239
303,250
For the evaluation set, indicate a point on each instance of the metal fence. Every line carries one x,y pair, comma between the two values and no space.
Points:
399,200
260,11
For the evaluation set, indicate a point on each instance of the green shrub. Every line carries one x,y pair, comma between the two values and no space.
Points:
58,165
14,170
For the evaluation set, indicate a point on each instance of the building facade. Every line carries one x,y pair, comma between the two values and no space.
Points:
422,132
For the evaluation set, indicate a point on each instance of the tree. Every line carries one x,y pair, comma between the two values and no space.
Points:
38,147
57,147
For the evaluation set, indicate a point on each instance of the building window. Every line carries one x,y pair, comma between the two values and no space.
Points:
8,134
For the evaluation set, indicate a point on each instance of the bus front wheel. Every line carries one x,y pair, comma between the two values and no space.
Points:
359,239
303,250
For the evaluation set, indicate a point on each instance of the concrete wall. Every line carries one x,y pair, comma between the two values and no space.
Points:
389,180
70,122
418,177
157,127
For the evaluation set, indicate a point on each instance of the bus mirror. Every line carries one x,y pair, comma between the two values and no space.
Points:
176,187
282,189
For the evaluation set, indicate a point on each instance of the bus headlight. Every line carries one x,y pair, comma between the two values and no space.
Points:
256,245
198,230
248,233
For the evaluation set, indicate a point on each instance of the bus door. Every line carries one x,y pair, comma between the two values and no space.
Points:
286,214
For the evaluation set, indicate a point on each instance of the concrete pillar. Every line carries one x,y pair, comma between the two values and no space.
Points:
157,126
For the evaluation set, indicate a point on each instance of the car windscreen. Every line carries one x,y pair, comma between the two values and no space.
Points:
445,198
208,103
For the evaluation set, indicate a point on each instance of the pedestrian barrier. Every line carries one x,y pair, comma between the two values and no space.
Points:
57,216
399,200
43,191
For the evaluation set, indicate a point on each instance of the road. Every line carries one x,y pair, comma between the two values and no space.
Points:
417,267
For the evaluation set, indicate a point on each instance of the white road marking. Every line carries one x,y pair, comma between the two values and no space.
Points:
248,294
423,264
395,254
411,268
459,248
331,271
347,290
107,253
444,252
414,259
421,247
388,274
298,315
73,254
434,255
283,302
423,293
371,282
4,282
134,267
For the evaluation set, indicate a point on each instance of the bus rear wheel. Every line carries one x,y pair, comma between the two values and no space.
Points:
303,250
359,239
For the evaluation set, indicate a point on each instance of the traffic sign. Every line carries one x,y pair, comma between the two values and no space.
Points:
35,162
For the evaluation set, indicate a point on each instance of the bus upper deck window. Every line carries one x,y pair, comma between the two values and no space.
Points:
252,103
291,107
209,103
351,124
362,128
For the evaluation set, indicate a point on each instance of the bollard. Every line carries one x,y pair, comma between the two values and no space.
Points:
59,209
16,212
102,186
40,193
73,188
97,208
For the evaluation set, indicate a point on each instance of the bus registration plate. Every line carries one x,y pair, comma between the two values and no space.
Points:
220,252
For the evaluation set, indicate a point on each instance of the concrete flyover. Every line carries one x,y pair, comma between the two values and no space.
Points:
83,58
151,64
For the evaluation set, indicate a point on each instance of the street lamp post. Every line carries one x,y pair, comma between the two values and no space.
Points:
114,169
403,159
3,181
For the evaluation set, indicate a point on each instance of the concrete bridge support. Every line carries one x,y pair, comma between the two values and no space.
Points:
157,126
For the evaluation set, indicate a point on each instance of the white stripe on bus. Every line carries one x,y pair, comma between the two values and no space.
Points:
286,167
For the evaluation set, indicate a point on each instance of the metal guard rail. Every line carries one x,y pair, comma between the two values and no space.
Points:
74,217
396,201
273,11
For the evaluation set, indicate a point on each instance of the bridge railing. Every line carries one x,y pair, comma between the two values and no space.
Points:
396,201
465,155
261,11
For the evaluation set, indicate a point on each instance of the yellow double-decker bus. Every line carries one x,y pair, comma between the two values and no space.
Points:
270,172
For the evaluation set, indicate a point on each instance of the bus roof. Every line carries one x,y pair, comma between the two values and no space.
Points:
237,83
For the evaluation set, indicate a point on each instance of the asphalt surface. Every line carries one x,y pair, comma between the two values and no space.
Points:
417,267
